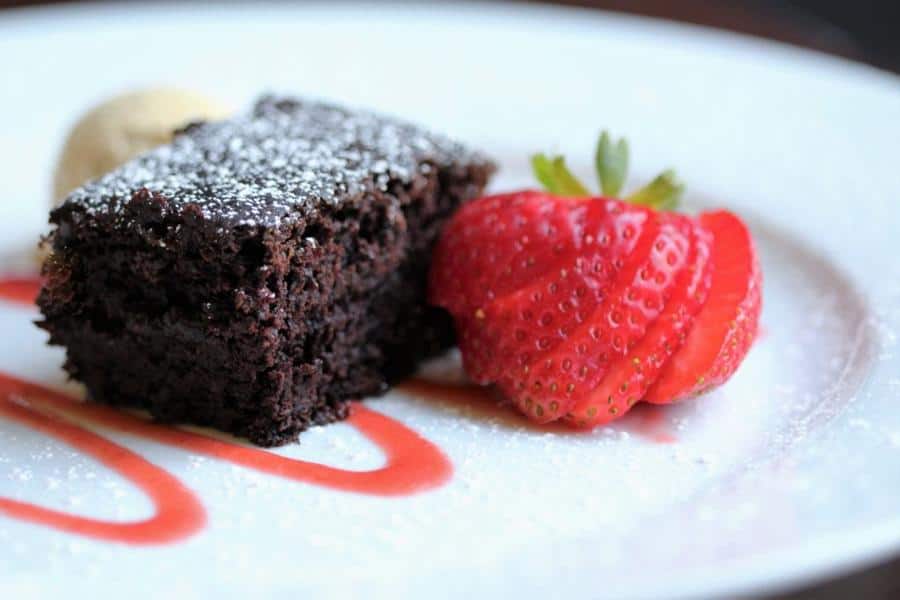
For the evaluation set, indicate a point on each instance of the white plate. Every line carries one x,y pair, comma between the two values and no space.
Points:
790,472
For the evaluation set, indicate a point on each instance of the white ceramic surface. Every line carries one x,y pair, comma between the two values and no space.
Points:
789,473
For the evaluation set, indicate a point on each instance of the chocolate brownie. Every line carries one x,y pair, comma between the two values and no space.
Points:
256,274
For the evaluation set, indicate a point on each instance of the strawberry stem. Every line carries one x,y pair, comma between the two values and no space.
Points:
611,163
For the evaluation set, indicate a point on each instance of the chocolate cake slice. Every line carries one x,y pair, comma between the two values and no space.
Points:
256,274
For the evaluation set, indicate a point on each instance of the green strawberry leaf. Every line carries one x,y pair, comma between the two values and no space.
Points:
543,171
569,184
663,193
555,176
611,162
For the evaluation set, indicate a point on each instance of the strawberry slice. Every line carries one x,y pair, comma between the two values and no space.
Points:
491,248
726,325
500,243
628,378
640,301
510,305
555,357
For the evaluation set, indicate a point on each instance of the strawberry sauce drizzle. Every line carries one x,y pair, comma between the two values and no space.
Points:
20,290
178,513
412,463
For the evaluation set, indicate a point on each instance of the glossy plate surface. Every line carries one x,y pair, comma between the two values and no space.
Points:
789,473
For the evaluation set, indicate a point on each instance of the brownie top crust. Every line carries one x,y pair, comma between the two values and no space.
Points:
284,157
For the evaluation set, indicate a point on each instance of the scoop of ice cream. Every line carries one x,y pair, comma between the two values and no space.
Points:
123,127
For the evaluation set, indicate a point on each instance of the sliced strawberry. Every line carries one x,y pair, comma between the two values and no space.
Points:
498,244
726,325
640,297
628,378
505,313
532,320
544,321
492,247
575,306
547,380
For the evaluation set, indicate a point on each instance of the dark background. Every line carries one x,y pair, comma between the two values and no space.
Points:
862,30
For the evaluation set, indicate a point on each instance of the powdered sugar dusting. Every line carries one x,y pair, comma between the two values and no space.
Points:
286,155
